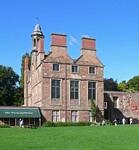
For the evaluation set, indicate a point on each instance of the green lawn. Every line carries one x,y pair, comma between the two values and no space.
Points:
71,138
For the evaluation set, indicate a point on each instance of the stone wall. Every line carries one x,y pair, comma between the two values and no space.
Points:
122,105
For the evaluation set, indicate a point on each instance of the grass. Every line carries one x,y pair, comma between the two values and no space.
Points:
71,138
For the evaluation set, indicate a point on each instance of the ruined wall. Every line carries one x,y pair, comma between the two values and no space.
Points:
122,104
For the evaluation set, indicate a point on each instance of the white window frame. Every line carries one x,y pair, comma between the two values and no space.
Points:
55,116
74,116
93,73
77,68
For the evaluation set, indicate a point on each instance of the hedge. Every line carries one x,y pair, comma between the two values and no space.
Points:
65,124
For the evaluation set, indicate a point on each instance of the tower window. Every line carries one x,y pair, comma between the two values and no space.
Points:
34,42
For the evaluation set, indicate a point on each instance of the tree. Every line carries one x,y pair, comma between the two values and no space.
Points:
122,86
133,84
94,110
8,86
110,85
19,96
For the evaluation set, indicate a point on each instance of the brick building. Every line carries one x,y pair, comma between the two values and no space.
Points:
59,85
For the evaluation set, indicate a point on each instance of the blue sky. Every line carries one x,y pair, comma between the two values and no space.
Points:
114,24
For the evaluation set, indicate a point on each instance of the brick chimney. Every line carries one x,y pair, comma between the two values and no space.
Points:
26,76
41,45
88,45
26,62
58,40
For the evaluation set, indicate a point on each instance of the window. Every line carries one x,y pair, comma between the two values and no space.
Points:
74,116
55,116
74,88
74,68
92,70
34,42
55,89
92,90
55,67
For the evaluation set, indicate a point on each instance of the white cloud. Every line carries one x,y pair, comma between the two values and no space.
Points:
86,36
72,40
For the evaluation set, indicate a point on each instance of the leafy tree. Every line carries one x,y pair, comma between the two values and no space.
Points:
133,84
8,85
122,86
94,110
110,85
19,96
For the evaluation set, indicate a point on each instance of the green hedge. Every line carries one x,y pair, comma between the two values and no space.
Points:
65,124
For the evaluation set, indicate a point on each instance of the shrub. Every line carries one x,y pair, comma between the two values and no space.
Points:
48,124
4,126
64,124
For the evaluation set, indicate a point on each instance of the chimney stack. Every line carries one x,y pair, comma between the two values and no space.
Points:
41,45
58,40
88,46
26,62
88,43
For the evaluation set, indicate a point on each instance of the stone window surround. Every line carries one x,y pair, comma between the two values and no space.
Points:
74,90
74,116
95,90
54,68
74,69
92,70
51,88
55,115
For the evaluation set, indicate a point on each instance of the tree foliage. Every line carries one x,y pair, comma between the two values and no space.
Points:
133,84
9,90
122,86
8,83
94,110
110,85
